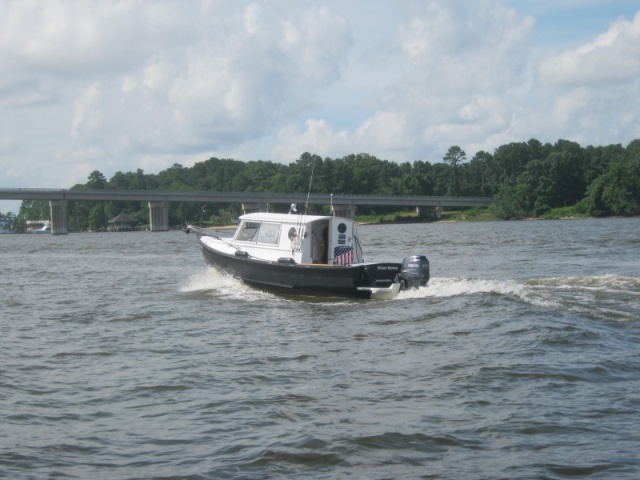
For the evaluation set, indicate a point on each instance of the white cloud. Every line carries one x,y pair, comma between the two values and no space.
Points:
88,116
71,36
612,57
318,138
465,67
385,130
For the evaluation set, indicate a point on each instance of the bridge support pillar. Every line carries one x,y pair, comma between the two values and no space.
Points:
346,211
58,211
429,212
159,216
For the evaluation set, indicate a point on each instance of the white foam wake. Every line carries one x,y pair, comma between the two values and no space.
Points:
211,281
449,287
603,296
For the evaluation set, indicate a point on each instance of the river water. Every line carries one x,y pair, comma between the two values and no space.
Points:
124,357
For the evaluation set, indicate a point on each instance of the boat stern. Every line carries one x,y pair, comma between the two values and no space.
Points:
379,281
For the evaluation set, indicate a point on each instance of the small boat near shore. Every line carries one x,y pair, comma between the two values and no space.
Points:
38,226
307,254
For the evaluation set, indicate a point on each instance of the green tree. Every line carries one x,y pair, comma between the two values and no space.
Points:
34,210
175,177
622,191
556,181
7,220
476,176
593,203
511,202
364,173
598,160
96,181
454,156
509,162
617,190
97,218
119,181
423,172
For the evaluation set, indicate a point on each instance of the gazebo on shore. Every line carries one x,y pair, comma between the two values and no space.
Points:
123,223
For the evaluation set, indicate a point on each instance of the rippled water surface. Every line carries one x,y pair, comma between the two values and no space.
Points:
124,357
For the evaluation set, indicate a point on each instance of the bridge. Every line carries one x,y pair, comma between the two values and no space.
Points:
158,201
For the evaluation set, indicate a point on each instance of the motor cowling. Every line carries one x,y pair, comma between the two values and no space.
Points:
415,271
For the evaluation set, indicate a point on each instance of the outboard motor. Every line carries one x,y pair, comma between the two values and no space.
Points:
415,271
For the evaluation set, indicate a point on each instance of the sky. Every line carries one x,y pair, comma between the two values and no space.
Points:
144,84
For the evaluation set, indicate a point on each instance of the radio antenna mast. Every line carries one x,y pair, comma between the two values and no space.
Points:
301,218
313,166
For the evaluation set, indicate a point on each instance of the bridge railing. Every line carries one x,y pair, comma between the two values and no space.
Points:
238,197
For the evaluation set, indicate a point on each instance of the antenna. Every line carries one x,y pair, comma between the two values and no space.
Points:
301,233
313,166
417,238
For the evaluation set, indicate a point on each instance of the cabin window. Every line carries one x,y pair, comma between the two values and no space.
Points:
249,230
269,233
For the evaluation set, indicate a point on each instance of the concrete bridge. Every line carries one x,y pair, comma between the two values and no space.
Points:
158,201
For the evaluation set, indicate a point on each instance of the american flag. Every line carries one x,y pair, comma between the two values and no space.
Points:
343,255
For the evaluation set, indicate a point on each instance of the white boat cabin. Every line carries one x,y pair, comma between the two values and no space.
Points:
307,239
38,226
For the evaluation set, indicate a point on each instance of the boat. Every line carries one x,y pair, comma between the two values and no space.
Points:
38,226
307,254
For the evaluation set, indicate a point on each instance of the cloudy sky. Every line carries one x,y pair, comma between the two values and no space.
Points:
121,85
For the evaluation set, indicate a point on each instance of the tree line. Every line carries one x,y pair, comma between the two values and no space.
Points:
525,179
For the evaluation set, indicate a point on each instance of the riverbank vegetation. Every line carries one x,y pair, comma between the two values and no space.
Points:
525,179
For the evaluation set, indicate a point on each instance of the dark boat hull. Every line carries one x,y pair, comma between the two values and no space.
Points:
343,280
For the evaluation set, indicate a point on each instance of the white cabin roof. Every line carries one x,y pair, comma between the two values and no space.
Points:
292,219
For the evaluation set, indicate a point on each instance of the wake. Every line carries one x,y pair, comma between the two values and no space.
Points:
611,297
603,296
211,282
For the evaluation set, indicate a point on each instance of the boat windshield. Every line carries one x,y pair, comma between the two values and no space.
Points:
248,231
267,233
